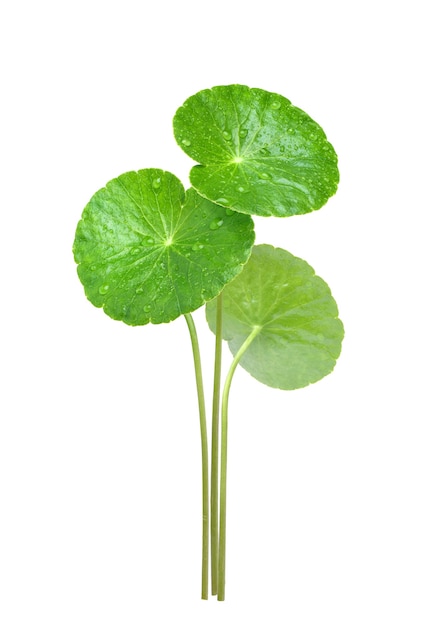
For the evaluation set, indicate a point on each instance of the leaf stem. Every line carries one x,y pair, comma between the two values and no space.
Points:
224,462
215,446
204,443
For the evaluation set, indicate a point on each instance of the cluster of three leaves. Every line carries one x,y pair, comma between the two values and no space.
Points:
147,251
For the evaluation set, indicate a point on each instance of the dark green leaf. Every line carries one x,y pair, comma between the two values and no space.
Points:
259,154
300,334
149,252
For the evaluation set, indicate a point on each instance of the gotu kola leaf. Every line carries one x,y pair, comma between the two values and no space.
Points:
147,251
299,334
258,153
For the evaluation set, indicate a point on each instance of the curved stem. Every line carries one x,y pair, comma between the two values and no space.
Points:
215,446
204,442
224,462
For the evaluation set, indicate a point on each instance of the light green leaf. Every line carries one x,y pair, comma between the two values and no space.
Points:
299,336
149,252
259,154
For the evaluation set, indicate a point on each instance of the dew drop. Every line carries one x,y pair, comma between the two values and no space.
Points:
163,266
103,289
92,268
222,201
139,290
229,212
226,135
275,105
147,308
197,246
282,149
147,241
216,224
264,152
135,250
241,189
156,183
243,132
264,176
186,142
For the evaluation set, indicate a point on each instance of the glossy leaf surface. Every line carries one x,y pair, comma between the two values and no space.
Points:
258,153
300,334
147,251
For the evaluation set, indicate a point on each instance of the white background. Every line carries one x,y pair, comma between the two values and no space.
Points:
330,511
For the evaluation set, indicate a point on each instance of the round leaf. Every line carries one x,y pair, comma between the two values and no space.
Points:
259,154
299,335
147,251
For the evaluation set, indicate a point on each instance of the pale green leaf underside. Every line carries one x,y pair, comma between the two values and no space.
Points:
147,251
300,334
258,153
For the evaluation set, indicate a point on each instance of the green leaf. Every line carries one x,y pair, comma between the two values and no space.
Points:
147,251
299,335
259,154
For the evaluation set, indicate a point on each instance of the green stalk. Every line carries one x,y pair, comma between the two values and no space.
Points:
204,442
215,447
224,462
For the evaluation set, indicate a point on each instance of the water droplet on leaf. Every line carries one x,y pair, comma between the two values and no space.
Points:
147,308
216,224
222,201
103,289
243,132
275,105
197,246
229,212
139,290
93,268
186,142
147,241
227,135
264,176
156,183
